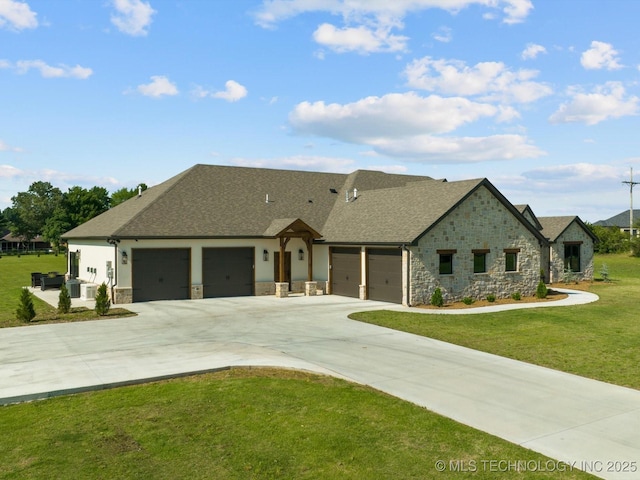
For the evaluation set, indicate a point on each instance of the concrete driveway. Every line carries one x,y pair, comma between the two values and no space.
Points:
588,424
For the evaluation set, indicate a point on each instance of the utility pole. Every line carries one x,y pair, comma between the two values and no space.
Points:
631,183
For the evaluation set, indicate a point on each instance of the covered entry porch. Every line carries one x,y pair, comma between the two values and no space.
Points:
284,230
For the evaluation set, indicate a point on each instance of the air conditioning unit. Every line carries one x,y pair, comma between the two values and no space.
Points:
88,291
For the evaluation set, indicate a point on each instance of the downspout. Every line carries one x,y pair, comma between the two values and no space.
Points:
114,280
408,279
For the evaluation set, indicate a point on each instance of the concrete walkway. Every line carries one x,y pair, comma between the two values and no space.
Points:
582,422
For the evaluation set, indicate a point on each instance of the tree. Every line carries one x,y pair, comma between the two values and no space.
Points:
125,194
4,222
77,206
26,311
32,209
64,300
610,239
102,300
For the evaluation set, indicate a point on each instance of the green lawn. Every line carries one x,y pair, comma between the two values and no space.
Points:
599,340
250,424
15,273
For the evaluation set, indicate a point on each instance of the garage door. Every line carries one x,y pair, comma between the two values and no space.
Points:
385,275
345,271
227,272
161,274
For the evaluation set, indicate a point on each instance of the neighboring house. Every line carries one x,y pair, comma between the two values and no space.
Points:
215,231
9,243
621,221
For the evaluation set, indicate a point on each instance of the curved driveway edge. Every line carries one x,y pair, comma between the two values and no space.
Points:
588,424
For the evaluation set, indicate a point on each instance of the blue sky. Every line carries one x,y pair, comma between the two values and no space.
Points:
539,96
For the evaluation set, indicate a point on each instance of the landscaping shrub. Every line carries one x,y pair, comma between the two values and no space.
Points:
26,311
102,300
491,298
64,300
516,296
467,300
541,291
436,298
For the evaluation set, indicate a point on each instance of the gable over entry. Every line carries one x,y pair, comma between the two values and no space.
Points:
285,229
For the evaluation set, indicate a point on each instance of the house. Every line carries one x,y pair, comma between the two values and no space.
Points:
216,231
11,243
621,221
571,246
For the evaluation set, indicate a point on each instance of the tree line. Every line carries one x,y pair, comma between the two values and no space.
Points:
48,211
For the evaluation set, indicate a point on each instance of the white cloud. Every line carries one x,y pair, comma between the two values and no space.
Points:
433,149
394,114
606,102
132,17
576,173
8,171
17,15
361,39
232,93
492,80
273,11
49,71
410,126
159,86
8,148
600,55
532,50
443,34
368,23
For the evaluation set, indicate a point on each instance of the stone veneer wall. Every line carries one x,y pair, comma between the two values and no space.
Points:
480,222
575,233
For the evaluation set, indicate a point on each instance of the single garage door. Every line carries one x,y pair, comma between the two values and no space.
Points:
385,274
161,274
345,271
227,272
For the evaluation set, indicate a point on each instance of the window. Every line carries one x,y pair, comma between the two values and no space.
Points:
480,261
511,260
572,257
446,261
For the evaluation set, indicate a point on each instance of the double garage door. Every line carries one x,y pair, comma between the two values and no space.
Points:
165,273
384,273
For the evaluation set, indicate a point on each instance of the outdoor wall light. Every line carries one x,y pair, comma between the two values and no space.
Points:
300,254
125,258
265,255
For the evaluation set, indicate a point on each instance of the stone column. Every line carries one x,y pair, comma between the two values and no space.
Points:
282,289
310,288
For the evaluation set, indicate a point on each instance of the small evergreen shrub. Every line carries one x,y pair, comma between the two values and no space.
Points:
491,298
436,298
467,300
541,291
64,300
103,304
516,296
26,311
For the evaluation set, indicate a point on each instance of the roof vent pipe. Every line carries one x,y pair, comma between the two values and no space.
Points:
346,196
139,191
266,199
355,193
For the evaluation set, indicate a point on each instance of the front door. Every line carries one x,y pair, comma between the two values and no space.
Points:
287,268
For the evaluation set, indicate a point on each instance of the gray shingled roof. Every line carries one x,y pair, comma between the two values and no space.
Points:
620,220
208,201
553,227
